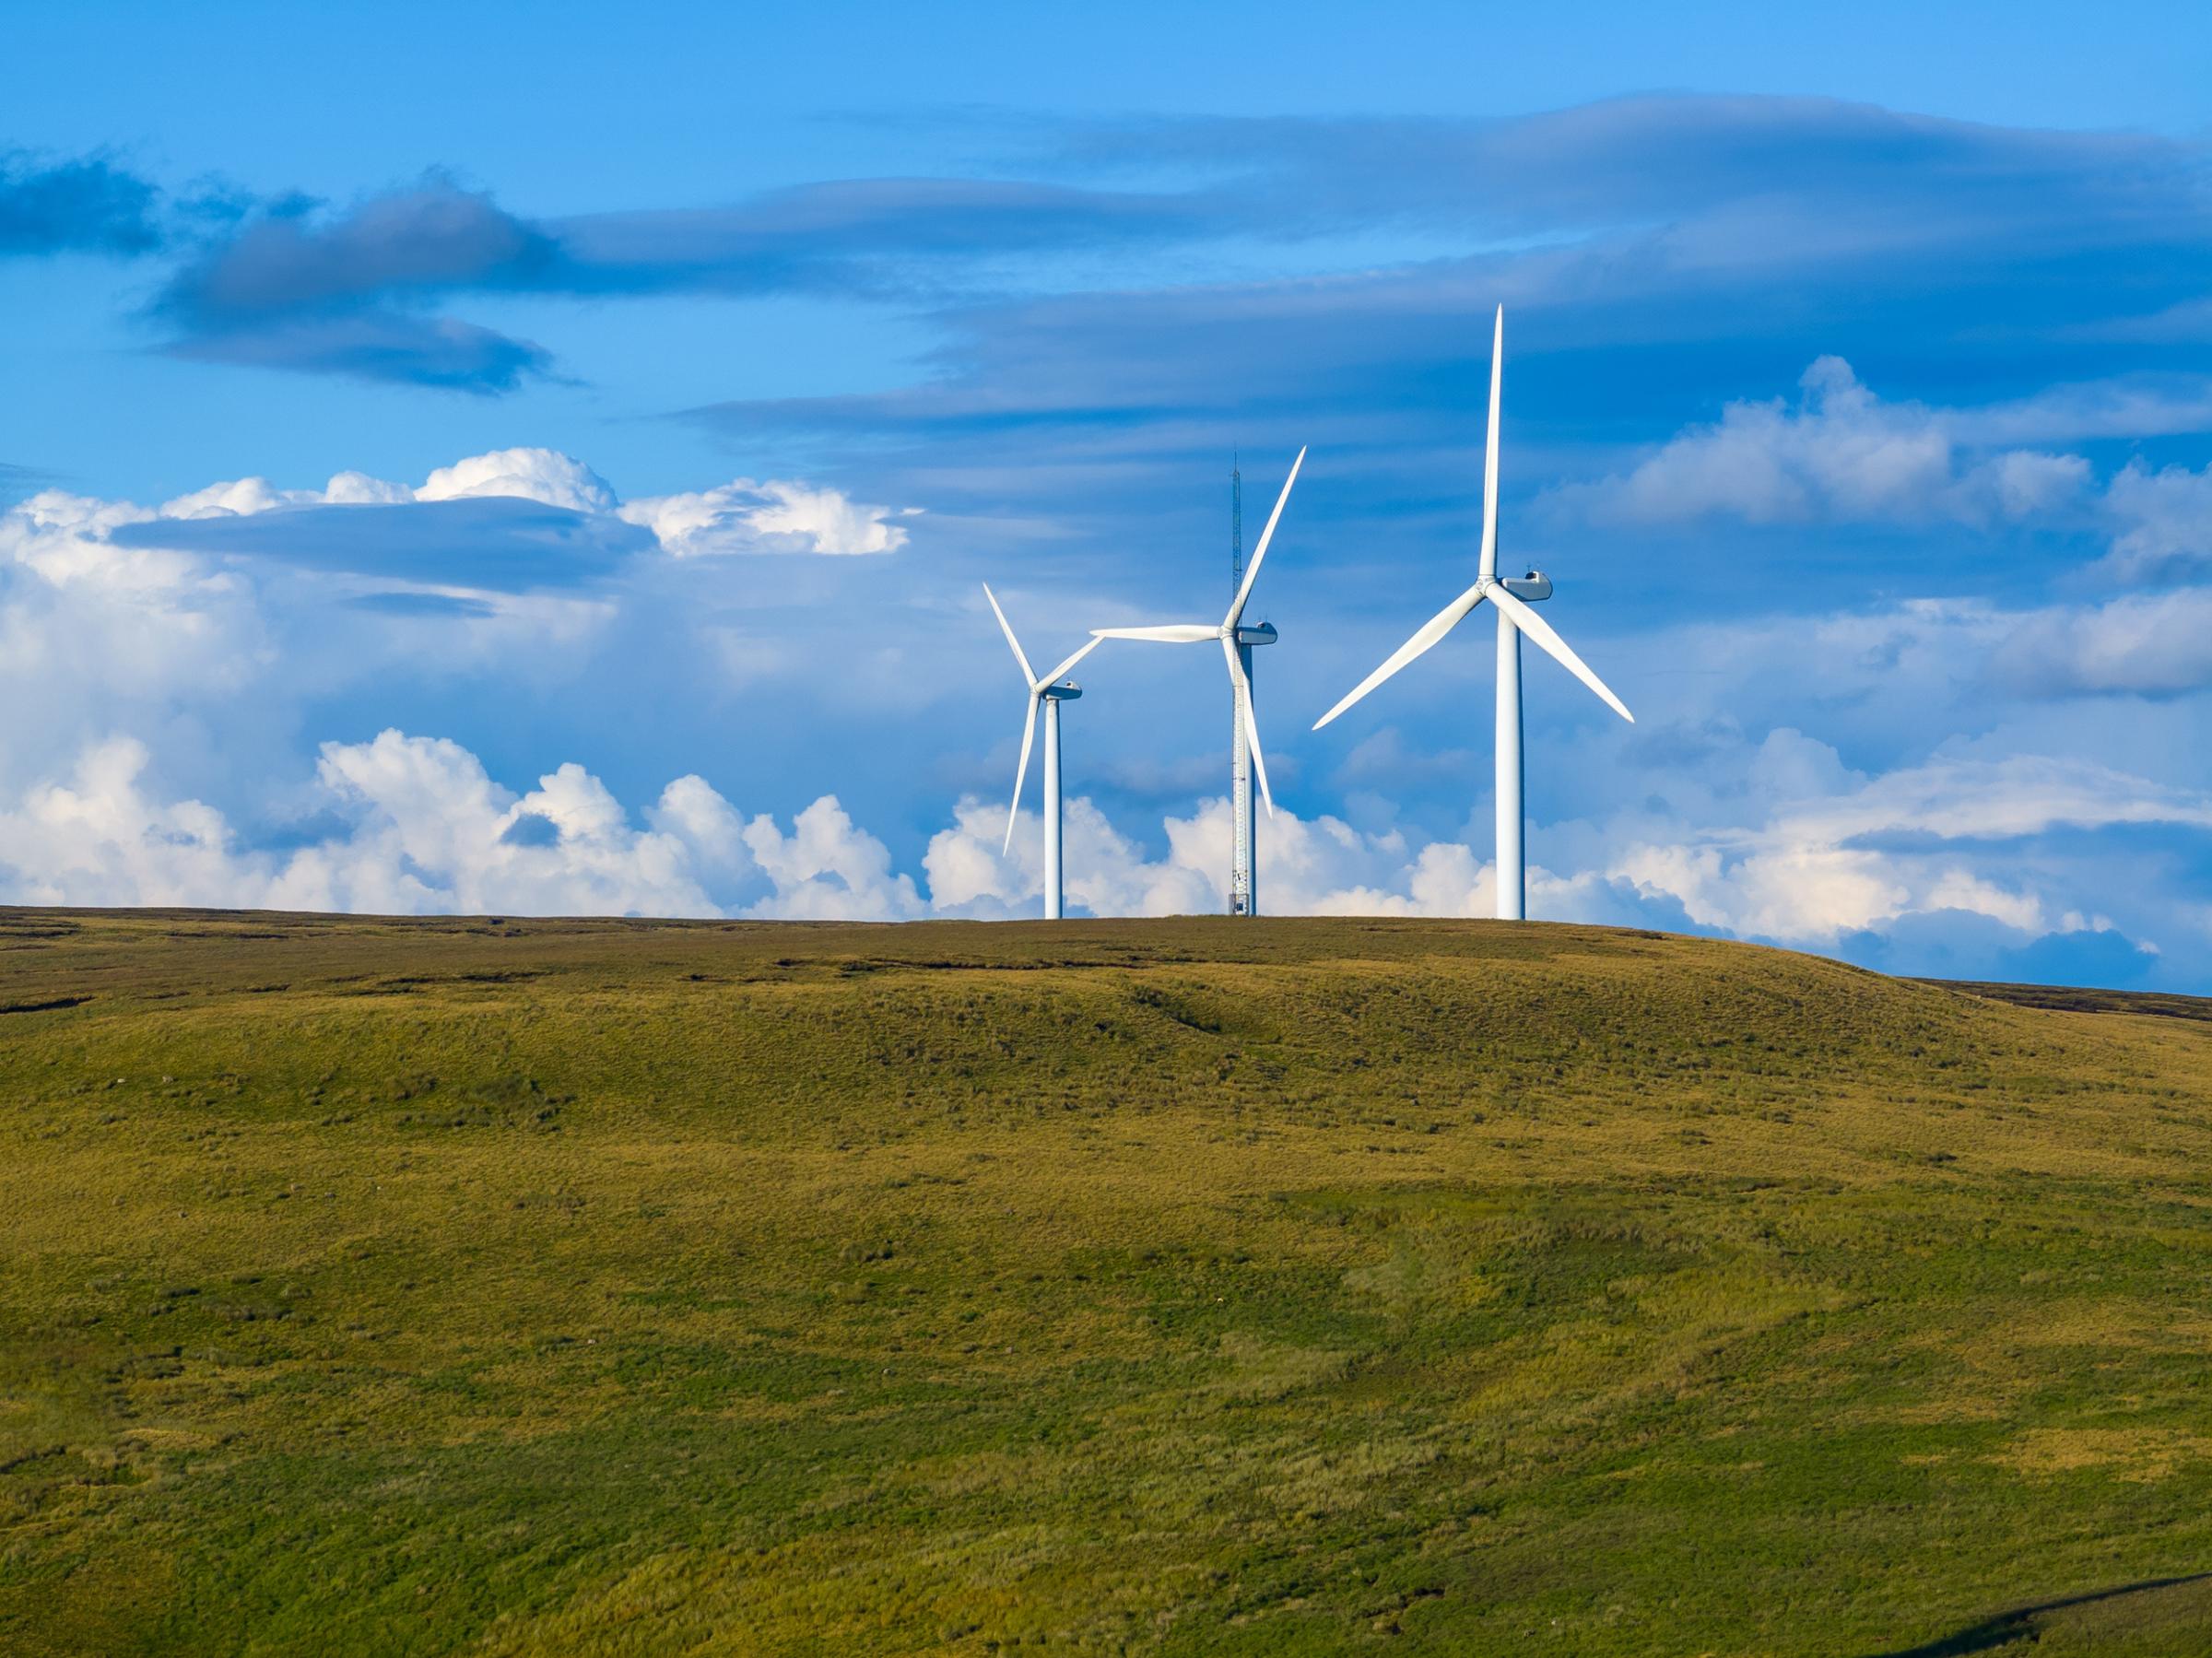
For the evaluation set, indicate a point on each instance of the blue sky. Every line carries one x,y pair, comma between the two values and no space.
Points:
528,461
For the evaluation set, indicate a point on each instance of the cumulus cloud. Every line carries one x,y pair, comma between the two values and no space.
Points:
96,637
1879,849
95,838
428,831
1839,454
2165,523
1833,853
828,868
2142,644
1843,455
540,475
1828,854
778,516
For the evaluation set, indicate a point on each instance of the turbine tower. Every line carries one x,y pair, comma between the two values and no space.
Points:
1242,822
1051,691
1510,598
1237,642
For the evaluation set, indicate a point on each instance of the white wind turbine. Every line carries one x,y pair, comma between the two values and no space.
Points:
1236,644
1051,691
1511,599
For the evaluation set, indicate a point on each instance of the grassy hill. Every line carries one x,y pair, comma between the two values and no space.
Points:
1276,1287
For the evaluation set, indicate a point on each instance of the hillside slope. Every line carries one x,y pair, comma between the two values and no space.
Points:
1275,1287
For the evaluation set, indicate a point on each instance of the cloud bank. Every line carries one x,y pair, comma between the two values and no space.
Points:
1635,213
512,521
423,829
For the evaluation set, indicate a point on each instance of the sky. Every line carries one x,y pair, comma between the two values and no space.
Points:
543,461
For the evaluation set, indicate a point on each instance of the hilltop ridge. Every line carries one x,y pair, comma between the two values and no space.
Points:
1195,1285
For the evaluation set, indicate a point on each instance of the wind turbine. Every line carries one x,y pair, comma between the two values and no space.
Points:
1237,642
1051,690
1510,598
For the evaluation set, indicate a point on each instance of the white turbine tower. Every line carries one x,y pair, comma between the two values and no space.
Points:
1511,599
1237,642
1051,691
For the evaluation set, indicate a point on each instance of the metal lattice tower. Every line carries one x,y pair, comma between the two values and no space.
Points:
1240,818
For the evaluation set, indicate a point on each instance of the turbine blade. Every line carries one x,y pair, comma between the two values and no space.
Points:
1029,675
1053,677
1434,628
1242,682
1174,633
1021,771
1252,571
1538,629
1490,454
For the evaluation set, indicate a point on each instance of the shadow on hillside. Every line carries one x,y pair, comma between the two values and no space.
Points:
2075,998
2021,1623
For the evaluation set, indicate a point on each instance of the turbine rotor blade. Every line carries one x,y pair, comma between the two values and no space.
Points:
1490,454
1434,628
1028,733
1242,682
1538,629
1029,675
1252,571
1053,677
1174,633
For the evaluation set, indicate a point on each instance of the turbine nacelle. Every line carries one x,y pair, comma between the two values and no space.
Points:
1532,589
1067,690
1262,635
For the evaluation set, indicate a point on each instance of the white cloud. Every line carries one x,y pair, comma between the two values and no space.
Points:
1317,866
1841,455
431,831
828,868
2143,644
97,639
427,831
1808,874
1828,852
2164,520
777,516
96,839
2132,408
539,475
1975,799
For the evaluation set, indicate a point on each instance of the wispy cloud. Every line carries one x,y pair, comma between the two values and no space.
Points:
1636,217
299,286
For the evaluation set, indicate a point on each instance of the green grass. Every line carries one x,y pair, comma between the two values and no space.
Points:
1192,1286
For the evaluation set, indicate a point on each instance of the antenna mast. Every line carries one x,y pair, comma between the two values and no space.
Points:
1239,804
